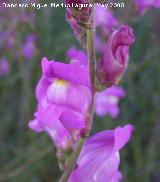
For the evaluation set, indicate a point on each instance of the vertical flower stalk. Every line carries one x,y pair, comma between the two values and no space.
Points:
71,163
92,67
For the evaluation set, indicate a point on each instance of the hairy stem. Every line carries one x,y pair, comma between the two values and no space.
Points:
91,49
71,163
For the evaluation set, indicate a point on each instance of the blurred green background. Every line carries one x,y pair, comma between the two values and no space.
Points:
27,156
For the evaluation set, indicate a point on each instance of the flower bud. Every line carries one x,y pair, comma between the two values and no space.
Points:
114,61
79,31
79,9
76,28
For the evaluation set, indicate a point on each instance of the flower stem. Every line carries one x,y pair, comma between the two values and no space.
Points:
91,48
92,68
71,163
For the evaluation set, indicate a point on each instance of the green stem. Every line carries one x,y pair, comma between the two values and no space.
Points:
91,49
71,163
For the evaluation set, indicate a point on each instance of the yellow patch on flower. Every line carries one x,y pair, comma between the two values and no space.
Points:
61,83
58,90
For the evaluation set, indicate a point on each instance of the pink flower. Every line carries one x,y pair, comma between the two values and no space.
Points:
77,55
4,67
104,19
99,159
29,47
64,96
106,102
114,61
143,5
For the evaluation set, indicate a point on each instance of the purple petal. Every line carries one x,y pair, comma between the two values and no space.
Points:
68,94
35,126
99,159
77,55
59,135
116,91
41,88
4,67
29,47
104,17
47,68
115,58
72,119
122,136
109,170
106,102
73,72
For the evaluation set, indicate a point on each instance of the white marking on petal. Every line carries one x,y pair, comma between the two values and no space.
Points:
112,99
57,91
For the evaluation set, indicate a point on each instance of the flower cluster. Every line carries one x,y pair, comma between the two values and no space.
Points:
65,95
106,101
10,39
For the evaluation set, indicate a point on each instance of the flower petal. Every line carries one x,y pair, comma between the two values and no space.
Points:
99,158
122,136
73,72
109,170
77,55
74,96
59,135
35,126
41,88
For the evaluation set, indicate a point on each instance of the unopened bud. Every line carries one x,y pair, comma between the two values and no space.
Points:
114,61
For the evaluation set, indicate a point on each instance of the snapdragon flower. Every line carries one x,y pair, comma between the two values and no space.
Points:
4,67
28,47
99,159
106,102
64,96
